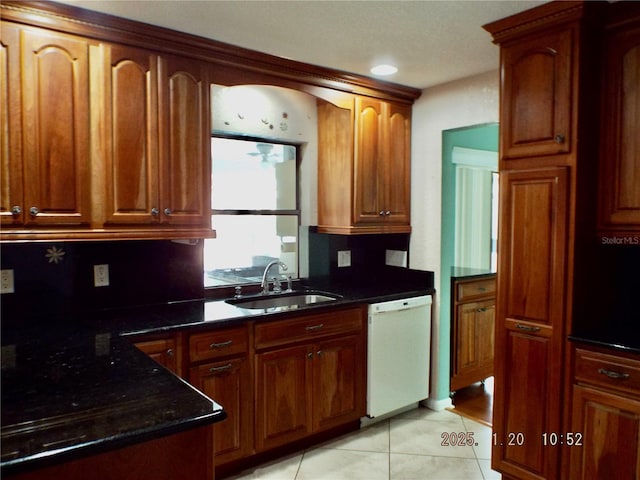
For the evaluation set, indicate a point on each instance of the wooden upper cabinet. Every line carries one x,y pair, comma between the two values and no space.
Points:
620,151
364,164
158,138
536,103
46,144
131,119
184,142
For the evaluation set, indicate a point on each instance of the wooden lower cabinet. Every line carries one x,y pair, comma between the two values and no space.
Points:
226,378
609,429
605,416
472,331
228,383
167,351
182,455
315,383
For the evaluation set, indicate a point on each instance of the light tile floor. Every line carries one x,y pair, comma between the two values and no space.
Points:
407,446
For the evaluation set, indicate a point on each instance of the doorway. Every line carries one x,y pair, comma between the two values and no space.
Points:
468,238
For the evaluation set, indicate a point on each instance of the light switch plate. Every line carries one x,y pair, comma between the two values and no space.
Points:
6,281
344,258
396,258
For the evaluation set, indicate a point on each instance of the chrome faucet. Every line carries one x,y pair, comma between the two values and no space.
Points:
265,282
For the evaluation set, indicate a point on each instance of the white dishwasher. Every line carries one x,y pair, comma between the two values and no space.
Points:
398,354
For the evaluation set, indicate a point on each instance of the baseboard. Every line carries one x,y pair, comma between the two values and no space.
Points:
437,405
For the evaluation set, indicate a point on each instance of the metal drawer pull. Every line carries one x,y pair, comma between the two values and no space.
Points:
315,327
221,344
482,289
481,310
223,368
615,375
527,328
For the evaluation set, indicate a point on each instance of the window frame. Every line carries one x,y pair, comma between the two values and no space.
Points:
225,290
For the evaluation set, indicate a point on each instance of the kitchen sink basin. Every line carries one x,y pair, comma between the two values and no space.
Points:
295,300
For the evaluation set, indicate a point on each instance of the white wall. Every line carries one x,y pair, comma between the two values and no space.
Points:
470,101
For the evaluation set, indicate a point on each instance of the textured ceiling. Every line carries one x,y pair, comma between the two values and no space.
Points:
431,42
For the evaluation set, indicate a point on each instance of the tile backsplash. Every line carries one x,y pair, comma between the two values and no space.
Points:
57,278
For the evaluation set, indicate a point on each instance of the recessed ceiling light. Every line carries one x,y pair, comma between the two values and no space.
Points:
384,70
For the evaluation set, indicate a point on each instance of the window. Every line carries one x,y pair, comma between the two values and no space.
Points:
255,210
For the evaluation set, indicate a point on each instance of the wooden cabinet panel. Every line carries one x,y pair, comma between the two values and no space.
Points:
536,103
185,142
620,153
228,383
11,193
609,426
45,93
218,344
533,244
522,407
131,116
166,351
530,325
396,169
610,372
475,289
308,327
283,396
338,382
368,160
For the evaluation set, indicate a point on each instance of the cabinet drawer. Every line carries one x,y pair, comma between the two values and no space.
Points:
308,327
218,344
478,288
609,371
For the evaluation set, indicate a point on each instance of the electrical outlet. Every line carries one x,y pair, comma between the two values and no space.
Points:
396,258
101,275
344,258
6,281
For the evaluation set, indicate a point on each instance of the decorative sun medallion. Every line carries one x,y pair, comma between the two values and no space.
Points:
55,254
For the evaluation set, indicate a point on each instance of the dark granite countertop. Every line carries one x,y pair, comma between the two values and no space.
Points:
71,391
459,273
73,387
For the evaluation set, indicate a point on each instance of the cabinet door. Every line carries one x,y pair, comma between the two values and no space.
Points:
609,429
164,351
474,343
338,382
228,382
396,165
368,158
11,194
131,118
530,320
185,142
283,395
536,95
620,154
55,113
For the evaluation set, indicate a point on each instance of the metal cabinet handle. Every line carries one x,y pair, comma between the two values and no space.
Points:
314,327
381,213
310,355
527,328
155,212
559,138
16,210
482,289
167,211
319,353
480,310
33,211
614,375
388,212
170,352
223,368
384,213
221,344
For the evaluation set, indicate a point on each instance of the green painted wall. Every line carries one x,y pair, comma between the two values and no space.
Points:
479,137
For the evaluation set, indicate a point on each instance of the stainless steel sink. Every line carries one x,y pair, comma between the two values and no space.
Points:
283,301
